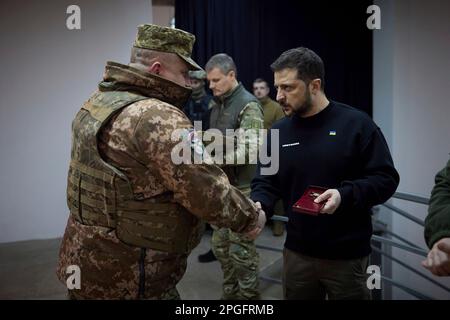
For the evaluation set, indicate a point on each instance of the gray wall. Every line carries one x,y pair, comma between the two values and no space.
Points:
411,83
47,73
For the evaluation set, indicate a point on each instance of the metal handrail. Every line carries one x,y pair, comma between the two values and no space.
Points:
394,235
413,249
407,289
383,229
411,268
280,218
411,197
404,213
418,251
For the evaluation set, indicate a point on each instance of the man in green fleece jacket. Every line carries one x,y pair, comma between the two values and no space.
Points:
272,109
437,225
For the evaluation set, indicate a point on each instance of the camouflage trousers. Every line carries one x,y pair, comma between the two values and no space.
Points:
239,260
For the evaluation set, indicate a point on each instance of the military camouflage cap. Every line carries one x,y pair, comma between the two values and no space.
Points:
197,74
166,39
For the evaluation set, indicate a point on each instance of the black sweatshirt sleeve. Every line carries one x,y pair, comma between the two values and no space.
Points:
379,180
264,187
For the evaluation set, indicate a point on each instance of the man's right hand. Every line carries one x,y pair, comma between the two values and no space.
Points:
254,233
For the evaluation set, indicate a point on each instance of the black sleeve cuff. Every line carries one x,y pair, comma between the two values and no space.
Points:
265,204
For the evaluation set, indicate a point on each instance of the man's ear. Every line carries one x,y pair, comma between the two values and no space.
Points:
155,68
232,74
314,85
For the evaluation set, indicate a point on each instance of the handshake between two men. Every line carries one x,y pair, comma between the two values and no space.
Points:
254,233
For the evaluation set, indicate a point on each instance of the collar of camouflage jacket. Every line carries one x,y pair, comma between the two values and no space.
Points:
120,77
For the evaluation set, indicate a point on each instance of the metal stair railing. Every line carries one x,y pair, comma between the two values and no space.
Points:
381,227
406,245
411,198
404,214
411,268
399,245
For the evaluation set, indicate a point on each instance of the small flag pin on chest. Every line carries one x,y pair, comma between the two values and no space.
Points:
332,133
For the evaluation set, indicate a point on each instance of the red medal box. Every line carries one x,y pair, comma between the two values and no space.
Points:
306,202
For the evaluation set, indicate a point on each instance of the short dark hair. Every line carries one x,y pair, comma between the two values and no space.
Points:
223,62
308,64
259,80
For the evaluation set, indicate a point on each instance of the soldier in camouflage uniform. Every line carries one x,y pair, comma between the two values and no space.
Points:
196,109
233,107
134,214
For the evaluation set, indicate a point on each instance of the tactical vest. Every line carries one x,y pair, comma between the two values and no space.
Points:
224,116
99,194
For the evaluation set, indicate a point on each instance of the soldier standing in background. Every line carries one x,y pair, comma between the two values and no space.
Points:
134,214
196,109
271,109
272,113
233,107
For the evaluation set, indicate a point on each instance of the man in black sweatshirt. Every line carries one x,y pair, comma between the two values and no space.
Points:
332,145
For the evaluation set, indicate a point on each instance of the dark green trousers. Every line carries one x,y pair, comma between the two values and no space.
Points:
308,278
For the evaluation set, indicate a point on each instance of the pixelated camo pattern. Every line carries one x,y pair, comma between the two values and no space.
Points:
138,141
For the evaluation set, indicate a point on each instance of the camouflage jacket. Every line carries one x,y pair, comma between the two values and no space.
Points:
144,133
240,111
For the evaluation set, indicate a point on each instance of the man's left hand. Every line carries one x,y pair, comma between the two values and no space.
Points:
332,198
438,259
